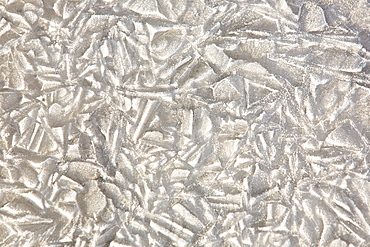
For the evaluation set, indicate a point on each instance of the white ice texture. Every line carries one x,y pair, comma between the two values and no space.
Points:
184,123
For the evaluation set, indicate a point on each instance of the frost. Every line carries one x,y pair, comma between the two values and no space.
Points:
184,123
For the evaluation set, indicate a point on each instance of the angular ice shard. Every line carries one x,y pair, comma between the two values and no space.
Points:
312,18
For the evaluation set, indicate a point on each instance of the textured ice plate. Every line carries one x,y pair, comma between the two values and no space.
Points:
184,123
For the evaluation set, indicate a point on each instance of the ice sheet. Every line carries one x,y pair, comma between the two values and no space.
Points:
184,123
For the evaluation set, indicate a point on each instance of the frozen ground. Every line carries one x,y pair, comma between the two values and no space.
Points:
184,123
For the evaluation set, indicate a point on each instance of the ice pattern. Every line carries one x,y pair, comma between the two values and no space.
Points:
184,123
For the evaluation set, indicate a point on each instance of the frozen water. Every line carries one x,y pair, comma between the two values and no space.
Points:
184,123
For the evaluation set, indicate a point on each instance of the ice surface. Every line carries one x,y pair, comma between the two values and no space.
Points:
184,123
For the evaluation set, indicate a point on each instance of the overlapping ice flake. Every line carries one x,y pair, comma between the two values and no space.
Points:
184,123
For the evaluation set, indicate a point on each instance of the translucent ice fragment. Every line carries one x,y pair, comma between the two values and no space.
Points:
93,201
203,123
83,171
145,7
312,144
345,136
312,18
56,114
216,56
228,89
166,43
